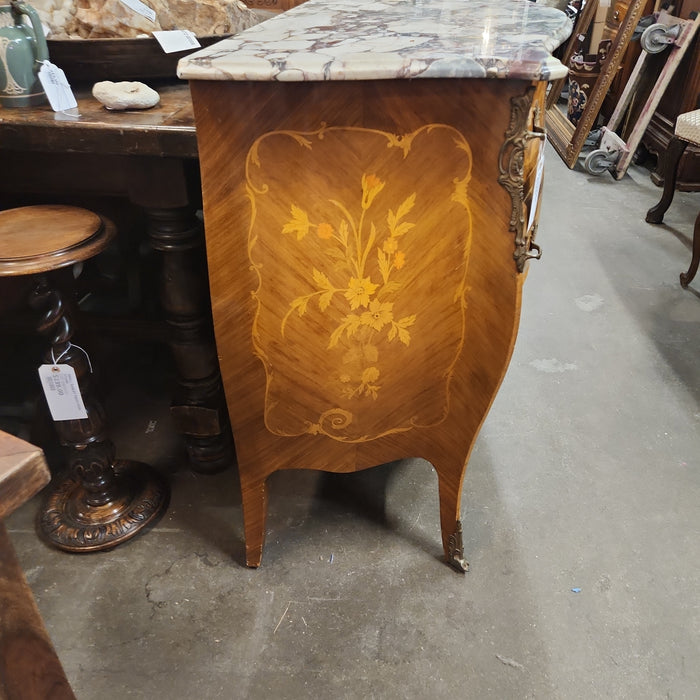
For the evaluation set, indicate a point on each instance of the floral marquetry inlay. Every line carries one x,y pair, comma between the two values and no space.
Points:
370,318
361,262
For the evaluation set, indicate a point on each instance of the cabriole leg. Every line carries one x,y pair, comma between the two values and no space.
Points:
450,523
687,277
672,158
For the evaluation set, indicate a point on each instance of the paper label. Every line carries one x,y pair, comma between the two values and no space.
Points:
176,40
537,188
62,392
140,8
56,87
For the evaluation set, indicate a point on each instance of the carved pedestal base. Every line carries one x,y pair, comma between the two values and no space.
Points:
137,498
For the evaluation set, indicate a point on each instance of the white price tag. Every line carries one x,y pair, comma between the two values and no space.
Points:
176,40
56,87
537,188
62,392
140,8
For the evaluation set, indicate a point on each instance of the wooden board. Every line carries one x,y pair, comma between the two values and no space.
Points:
23,472
673,56
682,95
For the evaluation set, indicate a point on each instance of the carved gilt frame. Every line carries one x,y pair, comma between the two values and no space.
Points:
567,139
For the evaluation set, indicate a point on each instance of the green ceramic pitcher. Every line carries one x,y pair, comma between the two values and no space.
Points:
22,51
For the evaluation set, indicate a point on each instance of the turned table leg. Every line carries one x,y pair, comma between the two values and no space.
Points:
199,411
101,502
168,189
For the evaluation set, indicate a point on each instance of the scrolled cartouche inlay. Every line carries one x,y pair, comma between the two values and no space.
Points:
350,293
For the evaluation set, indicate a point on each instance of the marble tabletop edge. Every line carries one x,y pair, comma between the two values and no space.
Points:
324,40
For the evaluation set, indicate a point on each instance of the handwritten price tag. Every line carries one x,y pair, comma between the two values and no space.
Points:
62,392
537,188
56,87
176,40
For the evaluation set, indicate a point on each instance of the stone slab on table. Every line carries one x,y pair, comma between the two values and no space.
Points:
370,40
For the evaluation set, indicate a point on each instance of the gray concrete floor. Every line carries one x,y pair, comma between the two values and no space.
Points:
586,476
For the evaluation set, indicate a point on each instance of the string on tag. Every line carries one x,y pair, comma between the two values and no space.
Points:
71,345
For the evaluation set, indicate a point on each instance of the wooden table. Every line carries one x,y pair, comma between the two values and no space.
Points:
371,176
149,157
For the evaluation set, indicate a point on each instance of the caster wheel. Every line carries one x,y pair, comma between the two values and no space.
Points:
657,37
597,162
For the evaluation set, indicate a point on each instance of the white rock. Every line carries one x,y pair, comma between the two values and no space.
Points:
125,95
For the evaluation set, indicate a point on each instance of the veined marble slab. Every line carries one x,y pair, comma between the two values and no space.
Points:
381,40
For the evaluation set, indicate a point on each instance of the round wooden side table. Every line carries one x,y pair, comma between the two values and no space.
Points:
100,502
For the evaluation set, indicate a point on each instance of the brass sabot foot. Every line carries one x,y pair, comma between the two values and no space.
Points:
455,551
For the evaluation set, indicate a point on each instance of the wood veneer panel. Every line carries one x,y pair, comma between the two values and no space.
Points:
406,362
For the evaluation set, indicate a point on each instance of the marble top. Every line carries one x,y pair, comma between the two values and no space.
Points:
386,39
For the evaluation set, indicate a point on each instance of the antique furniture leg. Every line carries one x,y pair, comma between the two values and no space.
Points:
101,502
254,498
199,412
687,277
450,490
687,130
29,666
672,158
